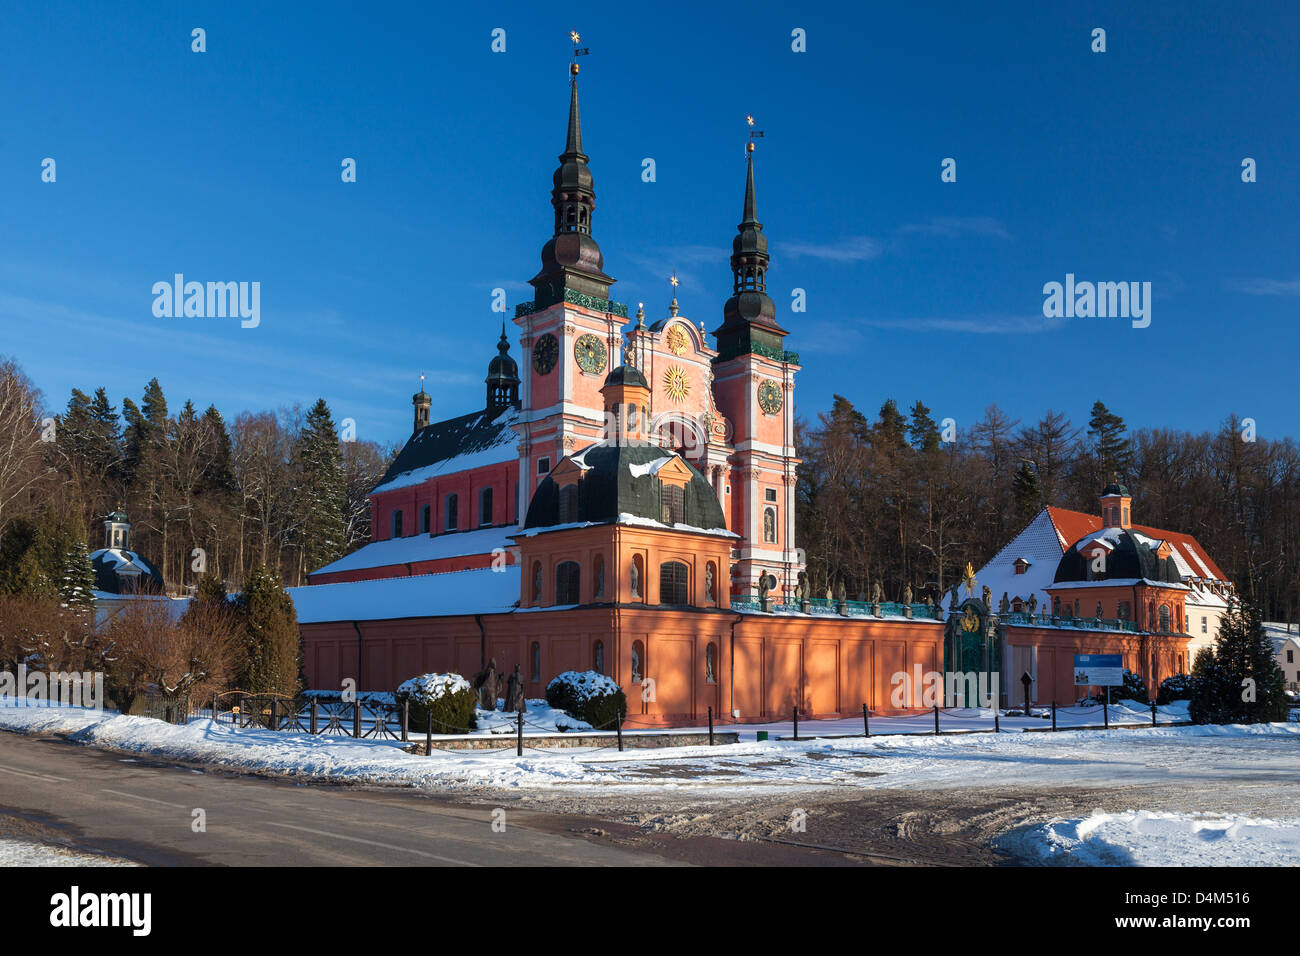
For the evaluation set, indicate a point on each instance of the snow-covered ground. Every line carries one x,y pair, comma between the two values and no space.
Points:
1144,838
1064,758
26,853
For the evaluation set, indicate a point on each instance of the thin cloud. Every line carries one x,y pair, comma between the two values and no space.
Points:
1265,286
950,227
851,249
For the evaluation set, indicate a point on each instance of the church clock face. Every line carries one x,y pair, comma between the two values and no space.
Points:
590,353
545,353
769,397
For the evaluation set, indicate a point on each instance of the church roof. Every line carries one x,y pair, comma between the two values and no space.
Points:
1129,555
114,566
481,591
456,444
620,483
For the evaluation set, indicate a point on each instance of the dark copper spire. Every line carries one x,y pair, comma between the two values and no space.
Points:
572,259
749,316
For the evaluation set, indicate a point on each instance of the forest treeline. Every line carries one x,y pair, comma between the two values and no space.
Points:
892,497
268,489
887,498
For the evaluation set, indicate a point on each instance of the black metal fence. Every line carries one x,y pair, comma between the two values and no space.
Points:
311,714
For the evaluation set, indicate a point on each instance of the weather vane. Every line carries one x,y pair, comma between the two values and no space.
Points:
672,306
753,134
577,52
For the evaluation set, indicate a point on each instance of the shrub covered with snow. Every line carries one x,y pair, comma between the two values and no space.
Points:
1177,687
448,697
1134,689
588,696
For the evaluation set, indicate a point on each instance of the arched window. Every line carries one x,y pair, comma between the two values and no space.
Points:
535,662
537,582
567,578
638,661
598,576
598,657
674,583
426,519
1164,617
711,663
485,506
568,504
397,524
452,513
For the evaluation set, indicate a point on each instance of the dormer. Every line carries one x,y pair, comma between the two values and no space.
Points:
1022,564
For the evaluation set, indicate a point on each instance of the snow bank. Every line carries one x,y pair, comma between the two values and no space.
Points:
1145,838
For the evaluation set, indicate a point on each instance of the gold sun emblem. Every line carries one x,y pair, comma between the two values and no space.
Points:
676,383
677,340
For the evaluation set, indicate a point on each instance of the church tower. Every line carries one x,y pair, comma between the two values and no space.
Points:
571,331
754,387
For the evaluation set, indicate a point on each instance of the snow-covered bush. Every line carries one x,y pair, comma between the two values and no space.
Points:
1134,690
1177,687
448,697
588,696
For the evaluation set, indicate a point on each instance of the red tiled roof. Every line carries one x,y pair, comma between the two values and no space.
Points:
1073,525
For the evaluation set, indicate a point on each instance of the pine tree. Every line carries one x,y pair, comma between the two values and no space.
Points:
1110,444
891,427
922,430
272,653
1028,494
77,582
1243,684
322,491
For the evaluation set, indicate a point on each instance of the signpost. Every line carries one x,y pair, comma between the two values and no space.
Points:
1100,670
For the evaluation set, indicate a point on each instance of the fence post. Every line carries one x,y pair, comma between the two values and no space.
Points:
936,720
796,722
315,715
406,715
519,745
214,708
997,725
356,717
1053,715
710,725
275,713
428,733
866,722
1153,713
1105,710
618,728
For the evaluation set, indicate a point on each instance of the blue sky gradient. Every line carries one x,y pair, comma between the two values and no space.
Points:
225,166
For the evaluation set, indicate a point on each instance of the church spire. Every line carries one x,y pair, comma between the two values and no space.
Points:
503,377
749,316
571,260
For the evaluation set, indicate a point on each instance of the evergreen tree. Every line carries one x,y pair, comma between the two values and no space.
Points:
1243,684
1027,492
891,427
322,491
269,624
922,430
77,582
1110,444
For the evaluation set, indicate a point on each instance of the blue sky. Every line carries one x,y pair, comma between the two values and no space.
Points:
1122,166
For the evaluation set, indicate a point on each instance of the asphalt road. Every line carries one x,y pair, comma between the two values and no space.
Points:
58,792
66,794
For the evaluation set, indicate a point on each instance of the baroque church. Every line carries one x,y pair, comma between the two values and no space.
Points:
624,502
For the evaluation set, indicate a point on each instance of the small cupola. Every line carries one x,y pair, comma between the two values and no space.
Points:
627,405
117,531
502,378
1116,506
422,403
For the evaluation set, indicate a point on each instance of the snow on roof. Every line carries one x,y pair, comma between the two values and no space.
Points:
1120,582
1039,544
650,467
481,591
422,547
458,444
123,562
